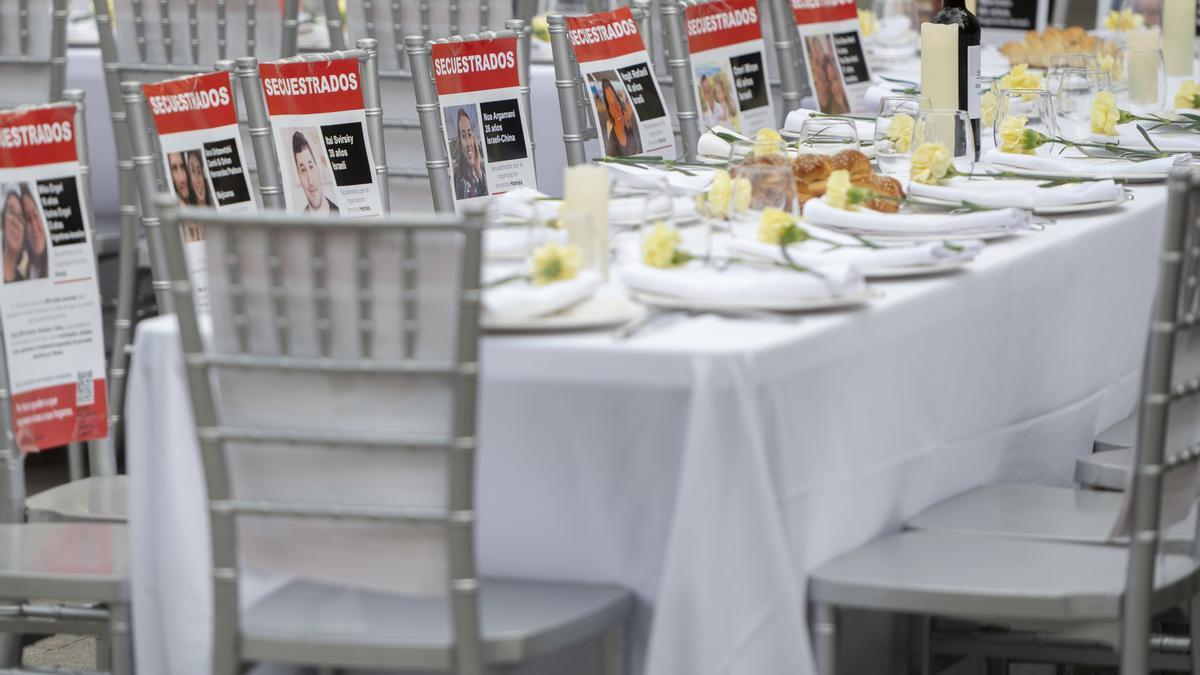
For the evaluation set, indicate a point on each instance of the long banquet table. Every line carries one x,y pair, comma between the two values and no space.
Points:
709,463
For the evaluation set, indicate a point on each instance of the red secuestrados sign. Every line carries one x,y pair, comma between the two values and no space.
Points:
478,65
35,136
193,102
306,88
604,35
823,11
722,23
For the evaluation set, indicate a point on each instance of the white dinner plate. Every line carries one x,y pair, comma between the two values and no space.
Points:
978,235
1127,177
799,305
598,311
939,267
1045,210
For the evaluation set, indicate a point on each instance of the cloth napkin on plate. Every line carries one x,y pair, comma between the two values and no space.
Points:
888,256
795,120
711,145
743,283
631,210
513,241
1021,194
518,205
695,181
1167,140
1072,163
868,222
523,300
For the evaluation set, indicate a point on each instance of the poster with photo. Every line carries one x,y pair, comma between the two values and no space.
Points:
725,41
626,99
202,154
833,53
50,295
320,130
478,87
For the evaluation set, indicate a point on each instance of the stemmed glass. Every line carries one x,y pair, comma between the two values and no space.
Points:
1061,62
827,135
1077,90
1147,77
1035,105
951,128
893,131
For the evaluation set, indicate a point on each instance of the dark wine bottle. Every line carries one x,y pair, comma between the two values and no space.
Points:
955,13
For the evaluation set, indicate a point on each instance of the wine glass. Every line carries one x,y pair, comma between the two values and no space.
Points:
828,135
893,131
952,129
1077,89
1146,74
1060,62
1035,105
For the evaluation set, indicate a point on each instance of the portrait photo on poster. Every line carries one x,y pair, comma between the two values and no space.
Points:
717,107
826,75
466,151
311,175
25,239
618,123
190,183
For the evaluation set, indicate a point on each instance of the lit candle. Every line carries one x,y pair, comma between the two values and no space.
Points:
1179,21
1143,65
585,190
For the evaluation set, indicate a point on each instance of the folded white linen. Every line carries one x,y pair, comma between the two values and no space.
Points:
514,241
887,256
744,284
711,145
519,205
1165,138
514,207
1022,194
696,180
868,222
631,210
523,300
1071,163
795,120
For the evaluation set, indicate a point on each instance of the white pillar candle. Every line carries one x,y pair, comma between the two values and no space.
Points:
939,65
1179,23
1142,68
585,190
971,5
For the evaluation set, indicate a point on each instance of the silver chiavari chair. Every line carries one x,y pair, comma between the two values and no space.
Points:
788,58
310,306
433,132
1062,583
58,577
679,62
99,496
33,51
157,41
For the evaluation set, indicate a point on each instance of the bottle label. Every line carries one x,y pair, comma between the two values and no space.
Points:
973,82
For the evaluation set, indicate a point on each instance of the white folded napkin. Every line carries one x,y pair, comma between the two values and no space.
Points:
744,283
711,145
1021,194
795,120
868,222
888,255
523,300
514,241
1072,163
1167,140
695,181
519,205
631,210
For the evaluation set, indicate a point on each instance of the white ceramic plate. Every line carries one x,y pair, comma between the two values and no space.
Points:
939,267
799,305
1127,177
595,312
1046,210
979,235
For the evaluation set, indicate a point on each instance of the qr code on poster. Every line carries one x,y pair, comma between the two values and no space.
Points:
85,389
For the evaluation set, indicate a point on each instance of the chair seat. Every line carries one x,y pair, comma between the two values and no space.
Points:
1105,469
316,623
87,562
992,578
95,499
1041,512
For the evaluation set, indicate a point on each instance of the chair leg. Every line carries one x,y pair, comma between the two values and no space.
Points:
104,653
1194,631
996,666
923,628
824,632
614,650
121,639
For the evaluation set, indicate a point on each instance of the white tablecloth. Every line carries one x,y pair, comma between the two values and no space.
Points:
708,464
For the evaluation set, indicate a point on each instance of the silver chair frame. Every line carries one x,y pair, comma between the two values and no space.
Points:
429,110
793,79
679,62
224,508
56,62
400,32
576,123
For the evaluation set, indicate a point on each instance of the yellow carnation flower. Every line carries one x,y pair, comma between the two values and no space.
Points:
554,262
767,143
719,192
1020,78
776,226
837,190
1188,95
742,193
899,132
1105,115
867,23
1012,136
931,163
660,247
987,103
1126,19
540,27
1110,64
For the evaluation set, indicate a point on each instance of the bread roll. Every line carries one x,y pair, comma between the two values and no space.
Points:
852,161
882,185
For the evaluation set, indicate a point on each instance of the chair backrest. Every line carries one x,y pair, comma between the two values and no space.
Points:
679,62
317,359
789,58
429,109
390,22
1168,433
33,51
